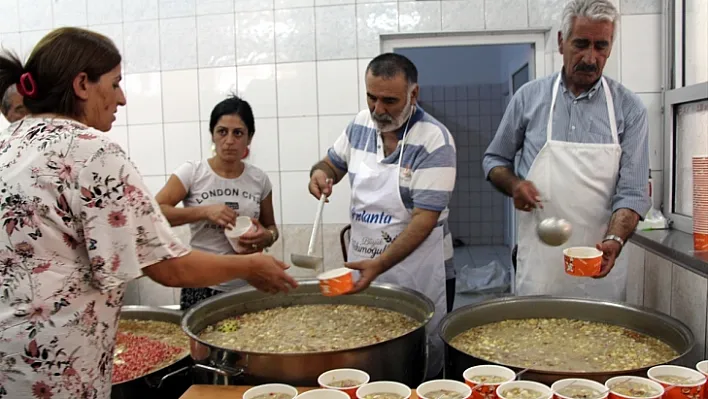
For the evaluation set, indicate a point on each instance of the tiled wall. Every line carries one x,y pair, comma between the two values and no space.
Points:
472,114
300,63
656,283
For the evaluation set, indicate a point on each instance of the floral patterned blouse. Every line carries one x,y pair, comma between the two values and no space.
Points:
76,224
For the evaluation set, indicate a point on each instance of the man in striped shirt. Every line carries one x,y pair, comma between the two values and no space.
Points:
401,166
584,157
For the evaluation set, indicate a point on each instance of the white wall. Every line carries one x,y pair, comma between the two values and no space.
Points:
300,63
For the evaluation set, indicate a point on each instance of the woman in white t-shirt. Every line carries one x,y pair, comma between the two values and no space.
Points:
215,191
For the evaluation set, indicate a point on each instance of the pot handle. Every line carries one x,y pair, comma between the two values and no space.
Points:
168,376
224,372
228,372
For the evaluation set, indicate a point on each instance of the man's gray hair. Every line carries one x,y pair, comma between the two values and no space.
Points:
596,10
6,100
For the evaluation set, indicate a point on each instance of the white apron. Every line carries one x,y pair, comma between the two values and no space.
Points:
378,217
576,182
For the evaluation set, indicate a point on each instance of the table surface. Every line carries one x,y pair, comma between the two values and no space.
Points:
228,392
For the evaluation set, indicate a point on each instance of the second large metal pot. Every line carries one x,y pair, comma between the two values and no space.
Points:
402,359
657,325
168,382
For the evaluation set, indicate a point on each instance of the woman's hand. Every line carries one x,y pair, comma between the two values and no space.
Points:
268,274
220,214
258,239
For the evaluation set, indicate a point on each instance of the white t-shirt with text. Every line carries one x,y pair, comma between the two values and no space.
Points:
242,194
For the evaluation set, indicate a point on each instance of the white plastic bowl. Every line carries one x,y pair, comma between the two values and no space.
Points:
546,391
383,387
448,385
323,394
270,388
581,383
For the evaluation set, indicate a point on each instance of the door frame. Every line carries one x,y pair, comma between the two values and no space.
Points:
538,38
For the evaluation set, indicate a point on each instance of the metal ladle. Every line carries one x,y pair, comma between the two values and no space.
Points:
310,261
552,230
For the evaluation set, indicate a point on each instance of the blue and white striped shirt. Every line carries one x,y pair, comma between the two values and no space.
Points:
581,119
429,153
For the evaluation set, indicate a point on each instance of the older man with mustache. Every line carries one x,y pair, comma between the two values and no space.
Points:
401,165
584,157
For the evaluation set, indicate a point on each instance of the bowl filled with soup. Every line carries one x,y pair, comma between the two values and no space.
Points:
626,387
484,380
345,380
702,367
524,390
678,382
579,388
271,391
443,389
383,390
323,394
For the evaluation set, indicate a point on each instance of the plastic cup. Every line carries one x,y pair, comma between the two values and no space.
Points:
690,390
503,389
270,388
383,387
336,282
582,261
448,385
323,394
579,383
329,377
487,390
612,382
243,225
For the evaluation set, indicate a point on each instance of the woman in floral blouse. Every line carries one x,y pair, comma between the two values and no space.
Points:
77,224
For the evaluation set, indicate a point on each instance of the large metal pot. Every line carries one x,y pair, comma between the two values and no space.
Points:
168,382
658,325
402,359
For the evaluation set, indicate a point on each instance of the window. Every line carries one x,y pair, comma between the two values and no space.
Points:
685,106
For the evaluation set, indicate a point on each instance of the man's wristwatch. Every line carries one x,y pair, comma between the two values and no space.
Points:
612,237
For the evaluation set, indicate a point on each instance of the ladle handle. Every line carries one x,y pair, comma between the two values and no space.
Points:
316,226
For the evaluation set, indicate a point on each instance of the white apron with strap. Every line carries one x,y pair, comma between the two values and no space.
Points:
576,182
378,216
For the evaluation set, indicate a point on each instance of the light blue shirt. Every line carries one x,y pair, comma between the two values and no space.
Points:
581,119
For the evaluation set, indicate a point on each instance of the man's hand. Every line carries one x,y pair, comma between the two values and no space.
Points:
368,269
610,251
320,184
526,196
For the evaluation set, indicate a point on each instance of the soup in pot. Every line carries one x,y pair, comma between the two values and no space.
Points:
563,345
309,328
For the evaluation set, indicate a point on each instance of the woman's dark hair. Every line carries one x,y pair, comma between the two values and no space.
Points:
52,66
233,105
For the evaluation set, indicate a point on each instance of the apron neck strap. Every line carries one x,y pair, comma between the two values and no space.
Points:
608,99
403,139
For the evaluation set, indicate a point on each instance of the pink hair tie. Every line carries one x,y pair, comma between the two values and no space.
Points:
27,87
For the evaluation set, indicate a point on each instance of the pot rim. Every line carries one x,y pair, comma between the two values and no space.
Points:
149,309
190,313
680,326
